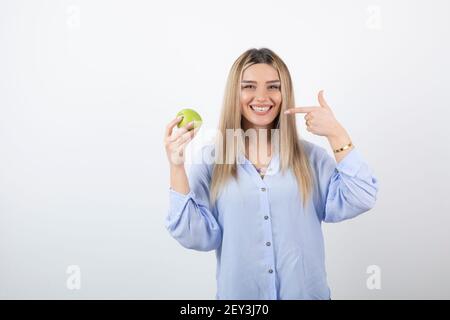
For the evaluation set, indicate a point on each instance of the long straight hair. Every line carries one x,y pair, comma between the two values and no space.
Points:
292,154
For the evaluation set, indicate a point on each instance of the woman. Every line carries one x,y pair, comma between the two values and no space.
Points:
262,211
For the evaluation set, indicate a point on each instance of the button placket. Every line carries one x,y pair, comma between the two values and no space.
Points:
269,254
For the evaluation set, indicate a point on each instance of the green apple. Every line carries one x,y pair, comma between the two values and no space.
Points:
188,116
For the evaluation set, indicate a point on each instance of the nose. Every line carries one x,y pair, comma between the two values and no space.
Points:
261,100
261,95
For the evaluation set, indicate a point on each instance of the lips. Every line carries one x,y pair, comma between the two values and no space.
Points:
261,109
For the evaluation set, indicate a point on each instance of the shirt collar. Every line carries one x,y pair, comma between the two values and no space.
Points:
274,165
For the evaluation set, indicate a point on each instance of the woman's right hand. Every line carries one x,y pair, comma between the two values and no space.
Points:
176,141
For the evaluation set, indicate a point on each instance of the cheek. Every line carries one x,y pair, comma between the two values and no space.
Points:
277,99
245,98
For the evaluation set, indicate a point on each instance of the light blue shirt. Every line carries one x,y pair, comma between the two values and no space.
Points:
267,246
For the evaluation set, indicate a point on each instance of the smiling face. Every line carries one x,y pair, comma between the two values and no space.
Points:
260,96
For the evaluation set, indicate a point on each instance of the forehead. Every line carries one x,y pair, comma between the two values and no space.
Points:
260,72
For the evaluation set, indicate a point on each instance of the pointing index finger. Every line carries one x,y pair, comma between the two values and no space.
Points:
300,110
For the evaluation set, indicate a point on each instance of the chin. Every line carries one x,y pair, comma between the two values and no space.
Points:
261,123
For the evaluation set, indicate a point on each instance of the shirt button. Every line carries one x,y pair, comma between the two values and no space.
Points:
270,271
263,189
268,244
266,217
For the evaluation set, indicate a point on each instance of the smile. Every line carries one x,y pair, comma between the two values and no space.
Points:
261,109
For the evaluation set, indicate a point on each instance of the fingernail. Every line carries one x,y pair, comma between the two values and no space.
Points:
286,112
180,117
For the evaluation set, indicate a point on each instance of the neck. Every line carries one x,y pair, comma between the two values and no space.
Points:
258,150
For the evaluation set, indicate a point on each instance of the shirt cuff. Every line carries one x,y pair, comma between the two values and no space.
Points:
351,163
178,201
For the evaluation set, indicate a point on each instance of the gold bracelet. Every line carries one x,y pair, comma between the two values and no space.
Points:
343,148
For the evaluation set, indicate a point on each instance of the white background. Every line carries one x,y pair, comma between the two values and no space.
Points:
87,87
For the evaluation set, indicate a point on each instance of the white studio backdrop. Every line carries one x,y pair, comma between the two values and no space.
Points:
87,87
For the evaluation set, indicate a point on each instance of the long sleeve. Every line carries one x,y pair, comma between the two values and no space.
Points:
347,188
190,220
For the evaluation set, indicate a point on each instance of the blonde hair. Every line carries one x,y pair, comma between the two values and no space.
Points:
292,153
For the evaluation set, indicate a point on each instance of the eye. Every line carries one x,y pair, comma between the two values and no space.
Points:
247,86
275,87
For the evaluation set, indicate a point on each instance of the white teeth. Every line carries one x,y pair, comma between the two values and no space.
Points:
260,109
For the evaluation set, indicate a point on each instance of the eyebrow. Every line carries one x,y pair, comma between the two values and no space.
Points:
250,81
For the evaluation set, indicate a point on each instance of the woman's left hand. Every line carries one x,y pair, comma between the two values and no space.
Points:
320,120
